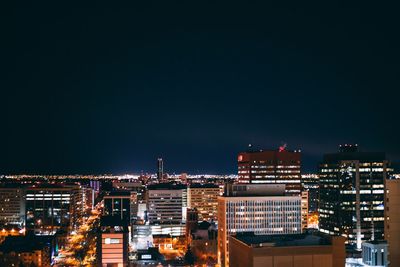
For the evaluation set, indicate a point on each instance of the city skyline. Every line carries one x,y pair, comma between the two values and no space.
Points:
111,89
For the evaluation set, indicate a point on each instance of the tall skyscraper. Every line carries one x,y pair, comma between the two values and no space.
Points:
271,166
352,194
160,169
262,209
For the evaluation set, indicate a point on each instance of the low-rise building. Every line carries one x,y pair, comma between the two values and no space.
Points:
27,250
300,250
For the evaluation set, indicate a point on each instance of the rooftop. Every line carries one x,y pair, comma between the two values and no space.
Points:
197,185
236,190
304,239
26,243
166,186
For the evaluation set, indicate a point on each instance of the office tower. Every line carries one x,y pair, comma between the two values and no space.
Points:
112,242
262,209
50,208
352,194
304,210
271,166
160,170
300,250
310,183
392,220
204,198
12,205
119,203
166,203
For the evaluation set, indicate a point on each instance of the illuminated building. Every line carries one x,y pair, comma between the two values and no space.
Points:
392,222
160,169
304,210
204,198
352,195
373,253
300,250
310,183
166,203
259,208
112,243
50,208
12,205
271,166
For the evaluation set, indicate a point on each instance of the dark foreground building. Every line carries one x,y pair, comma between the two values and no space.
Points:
29,250
300,250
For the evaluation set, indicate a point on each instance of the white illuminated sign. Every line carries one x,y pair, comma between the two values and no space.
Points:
111,241
146,257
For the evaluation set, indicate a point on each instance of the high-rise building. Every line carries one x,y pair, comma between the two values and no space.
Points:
12,205
352,194
166,203
160,169
392,220
204,198
120,204
300,250
50,208
271,166
310,183
262,209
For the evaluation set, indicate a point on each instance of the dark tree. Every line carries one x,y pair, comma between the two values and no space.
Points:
189,257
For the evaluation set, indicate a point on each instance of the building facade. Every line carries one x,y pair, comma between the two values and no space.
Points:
310,183
271,166
392,220
112,242
12,206
304,210
204,198
122,204
241,211
50,208
166,203
352,195
300,250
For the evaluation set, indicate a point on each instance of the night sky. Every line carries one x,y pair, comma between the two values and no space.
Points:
107,89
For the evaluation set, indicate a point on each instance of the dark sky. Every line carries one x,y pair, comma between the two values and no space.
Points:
92,89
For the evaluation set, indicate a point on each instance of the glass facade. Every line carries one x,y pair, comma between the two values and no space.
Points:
48,209
352,196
